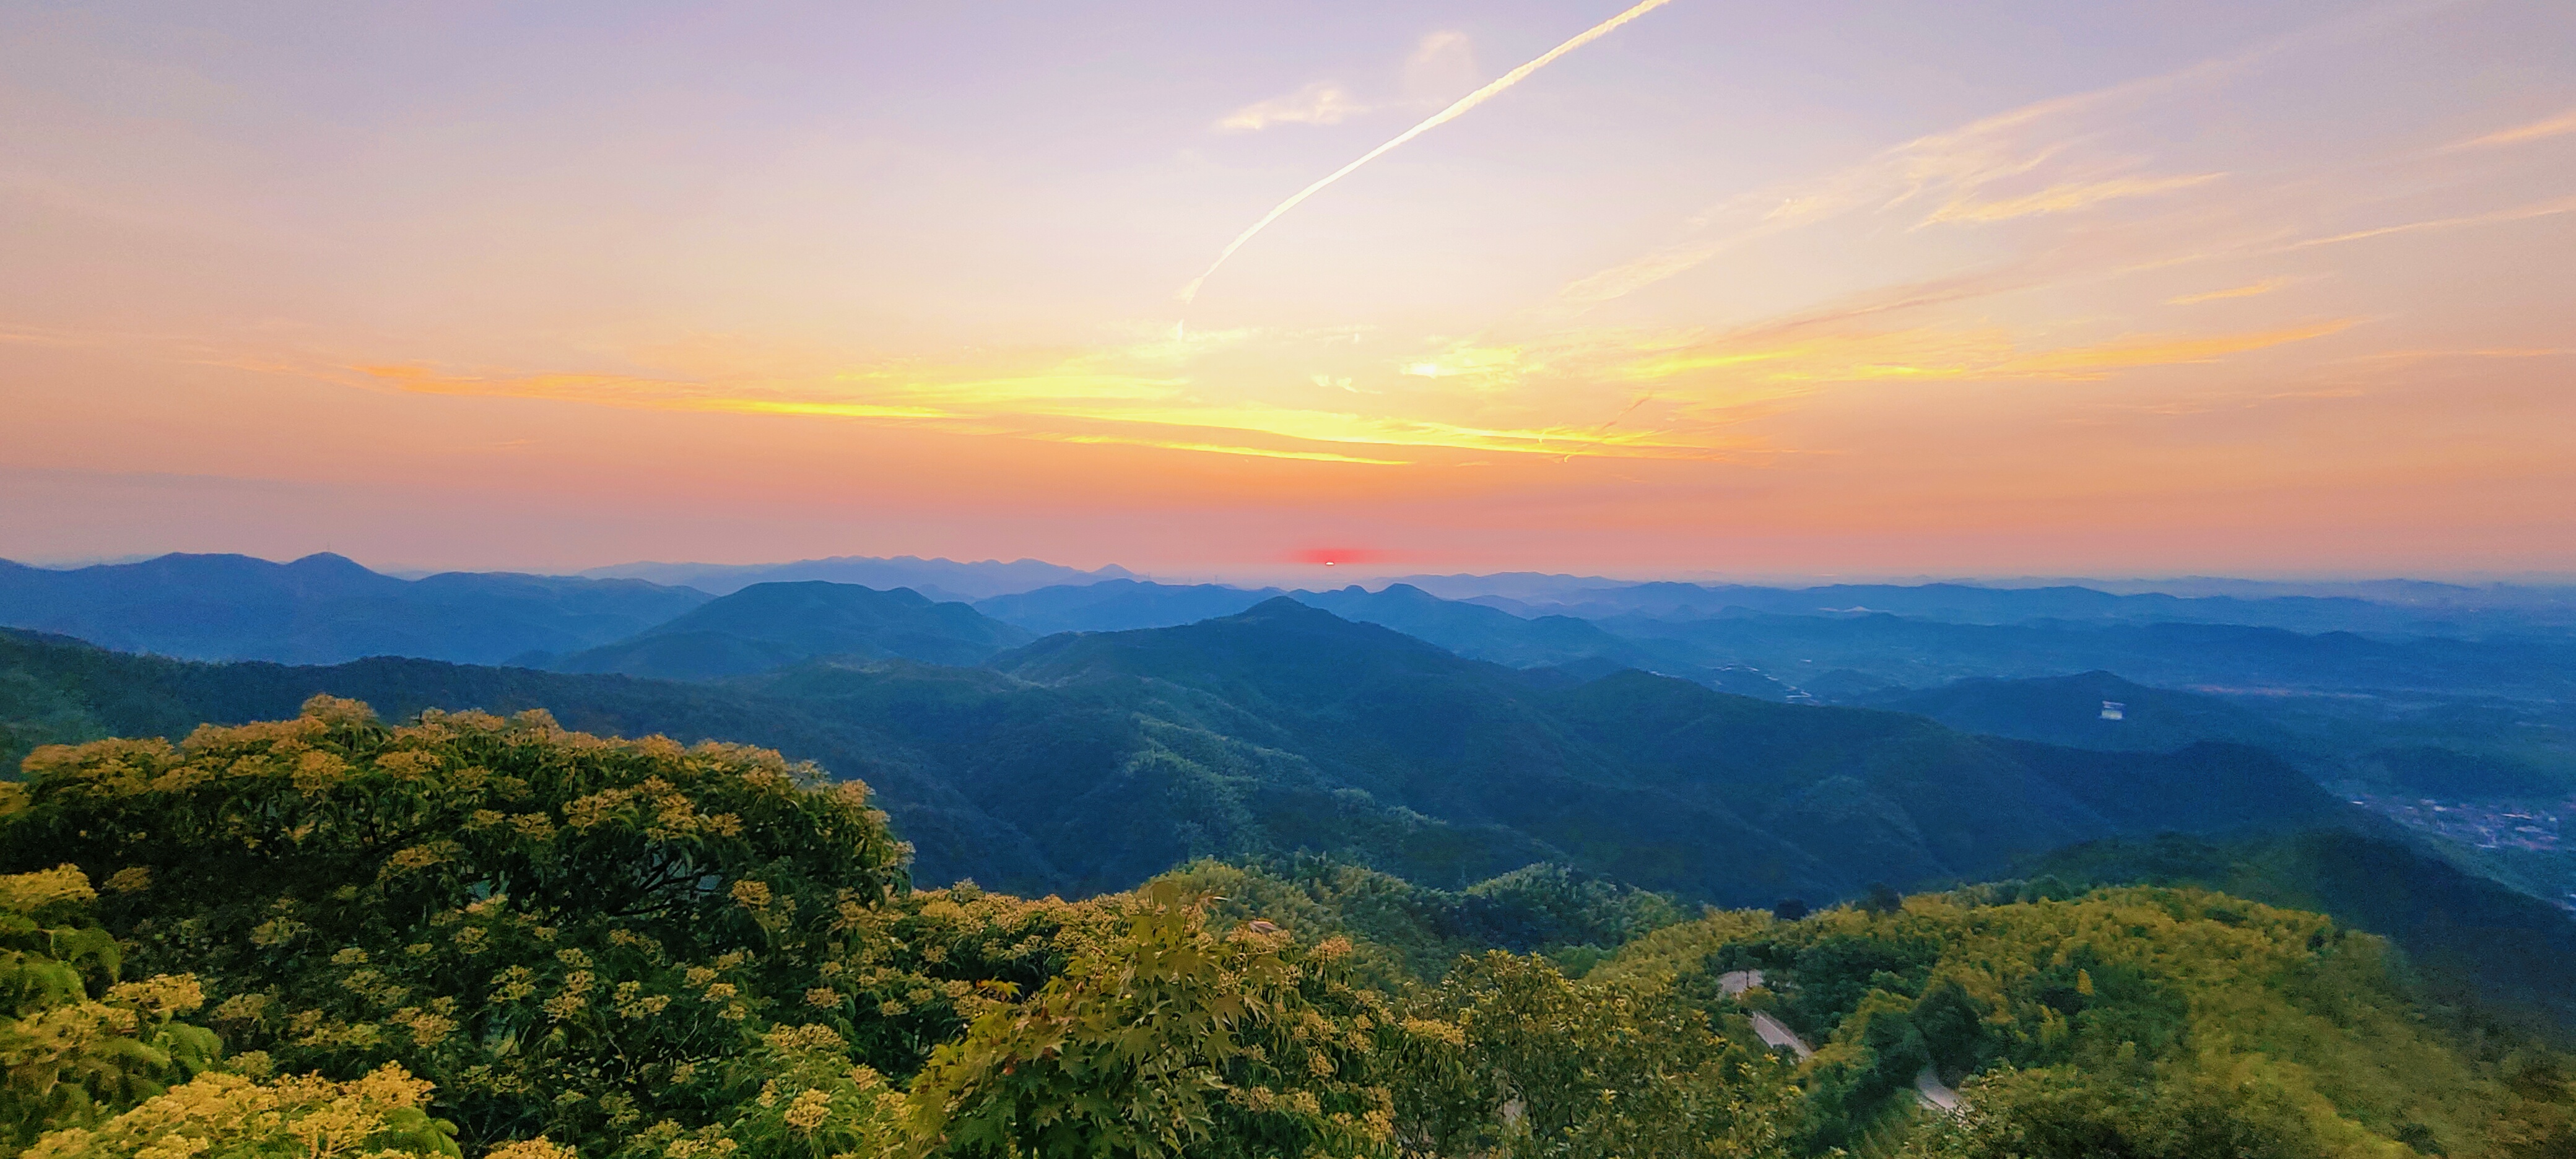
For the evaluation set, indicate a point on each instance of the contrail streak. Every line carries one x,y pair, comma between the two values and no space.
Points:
1435,120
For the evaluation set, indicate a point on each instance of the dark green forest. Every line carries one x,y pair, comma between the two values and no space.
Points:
481,935
1083,763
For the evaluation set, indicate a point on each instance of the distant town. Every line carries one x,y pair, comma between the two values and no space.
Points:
2532,828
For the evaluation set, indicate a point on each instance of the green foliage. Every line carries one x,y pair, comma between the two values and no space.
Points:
2145,1022
230,1116
568,935
1507,1056
639,950
1173,1041
35,712
1409,931
2171,1111
796,1096
2492,951
76,1045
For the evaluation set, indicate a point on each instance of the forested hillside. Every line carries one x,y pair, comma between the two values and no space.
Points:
2473,941
1091,762
2453,748
485,936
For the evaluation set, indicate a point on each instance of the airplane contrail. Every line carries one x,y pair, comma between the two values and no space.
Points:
1435,120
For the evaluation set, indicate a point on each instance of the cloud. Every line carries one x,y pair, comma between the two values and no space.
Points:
2096,361
2248,290
1953,165
1435,120
1444,63
1218,449
1089,397
1479,364
2519,213
1320,103
1958,165
2557,126
2064,197
1762,365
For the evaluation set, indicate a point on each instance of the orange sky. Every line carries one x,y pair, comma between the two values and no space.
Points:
2001,289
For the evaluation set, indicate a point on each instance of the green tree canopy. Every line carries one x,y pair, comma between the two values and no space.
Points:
77,1045
1170,1041
568,935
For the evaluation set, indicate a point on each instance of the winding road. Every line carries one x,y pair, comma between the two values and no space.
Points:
1928,1087
1733,984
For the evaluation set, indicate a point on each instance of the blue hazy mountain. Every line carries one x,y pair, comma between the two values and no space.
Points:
1913,652
1118,605
772,625
1472,630
2077,711
2400,607
1484,633
942,579
325,608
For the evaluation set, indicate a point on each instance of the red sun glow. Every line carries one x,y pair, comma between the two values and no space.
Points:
1328,556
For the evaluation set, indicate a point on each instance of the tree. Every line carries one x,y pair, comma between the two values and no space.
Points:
1170,1041
1509,1057
231,1116
77,1045
569,935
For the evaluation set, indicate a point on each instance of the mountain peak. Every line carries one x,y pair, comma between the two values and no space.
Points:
770,625
329,562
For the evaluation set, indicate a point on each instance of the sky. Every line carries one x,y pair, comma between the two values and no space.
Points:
1726,289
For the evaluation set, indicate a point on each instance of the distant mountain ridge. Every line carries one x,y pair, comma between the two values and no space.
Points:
326,608
2075,711
772,625
940,579
1977,604
1118,605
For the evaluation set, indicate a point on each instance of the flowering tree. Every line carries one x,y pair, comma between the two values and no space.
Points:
569,935
77,1045
1170,1041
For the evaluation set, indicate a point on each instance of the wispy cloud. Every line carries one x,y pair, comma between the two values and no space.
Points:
1435,120
1958,166
1320,103
2518,213
1075,401
2064,197
1967,170
2557,126
2248,290
1443,63
2098,360
1725,368
2490,352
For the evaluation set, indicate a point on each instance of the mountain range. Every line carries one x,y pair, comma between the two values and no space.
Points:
2491,713
326,608
1087,762
1443,741
939,579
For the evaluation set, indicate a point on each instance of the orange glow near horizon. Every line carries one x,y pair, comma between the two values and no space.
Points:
1705,297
